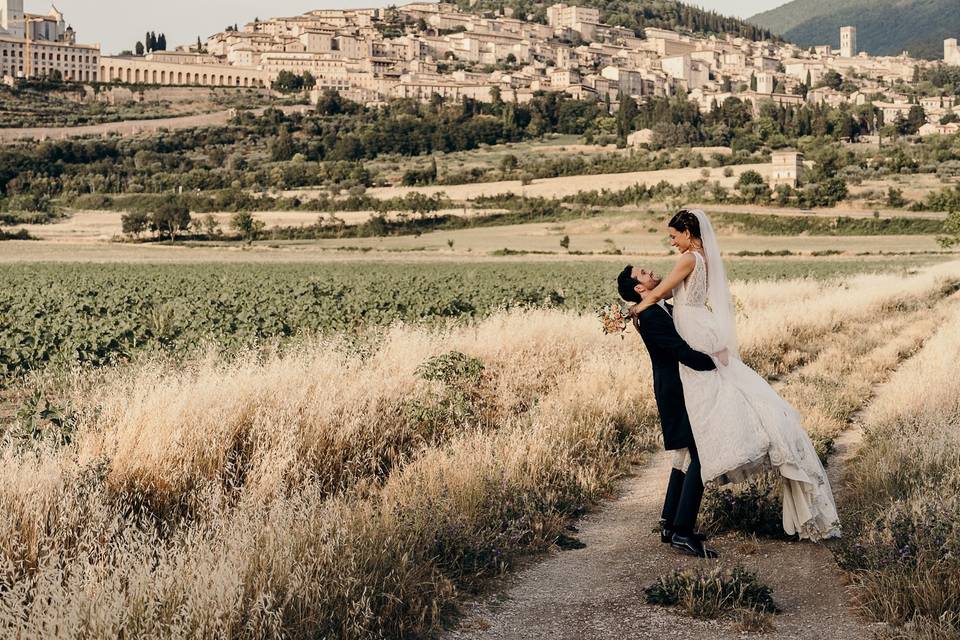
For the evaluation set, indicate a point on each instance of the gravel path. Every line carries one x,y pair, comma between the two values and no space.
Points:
597,592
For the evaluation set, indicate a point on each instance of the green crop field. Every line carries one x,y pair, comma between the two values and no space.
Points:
91,314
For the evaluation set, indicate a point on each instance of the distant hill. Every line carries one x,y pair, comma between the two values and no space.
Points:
884,27
633,14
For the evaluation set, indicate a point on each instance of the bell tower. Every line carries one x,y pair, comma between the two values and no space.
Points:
11,17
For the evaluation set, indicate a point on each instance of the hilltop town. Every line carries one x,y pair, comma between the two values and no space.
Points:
424,50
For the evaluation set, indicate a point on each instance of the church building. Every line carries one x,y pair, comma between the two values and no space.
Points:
34,46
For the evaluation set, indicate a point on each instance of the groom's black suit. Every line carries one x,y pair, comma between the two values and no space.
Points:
667,350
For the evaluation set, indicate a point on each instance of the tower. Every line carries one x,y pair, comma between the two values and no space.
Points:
951,52
11,17
848,42
766,82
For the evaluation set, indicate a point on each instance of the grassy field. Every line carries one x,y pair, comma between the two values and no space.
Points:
904,508
27,107
97,314
631,230
348,491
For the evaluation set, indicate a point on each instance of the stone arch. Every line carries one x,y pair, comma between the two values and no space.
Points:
129,75
136,75
179,77
221,81
163,77
188,77
103,73
204,78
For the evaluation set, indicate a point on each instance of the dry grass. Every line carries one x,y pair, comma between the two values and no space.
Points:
331,492
904,508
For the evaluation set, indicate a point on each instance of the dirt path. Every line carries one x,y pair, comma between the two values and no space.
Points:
597,592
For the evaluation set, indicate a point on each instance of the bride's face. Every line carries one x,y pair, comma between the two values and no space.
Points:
680,240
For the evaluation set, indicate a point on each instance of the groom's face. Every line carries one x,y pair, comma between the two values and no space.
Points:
648,280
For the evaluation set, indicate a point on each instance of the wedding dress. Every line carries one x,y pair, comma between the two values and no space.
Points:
741,425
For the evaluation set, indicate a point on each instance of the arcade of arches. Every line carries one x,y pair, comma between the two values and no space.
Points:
130,71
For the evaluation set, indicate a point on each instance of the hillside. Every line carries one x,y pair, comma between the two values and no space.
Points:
663,14
882,27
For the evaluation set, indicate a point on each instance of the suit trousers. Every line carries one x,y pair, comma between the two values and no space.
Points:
684,493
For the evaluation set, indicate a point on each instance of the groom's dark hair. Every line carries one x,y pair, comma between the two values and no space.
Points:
626,283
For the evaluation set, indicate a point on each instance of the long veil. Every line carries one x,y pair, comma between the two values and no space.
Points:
718,288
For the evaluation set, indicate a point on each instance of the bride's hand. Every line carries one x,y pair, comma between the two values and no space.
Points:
723,357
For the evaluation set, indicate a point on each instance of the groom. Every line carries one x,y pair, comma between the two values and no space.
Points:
667,349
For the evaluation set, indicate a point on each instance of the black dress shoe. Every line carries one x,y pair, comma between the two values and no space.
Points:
667,534
692,546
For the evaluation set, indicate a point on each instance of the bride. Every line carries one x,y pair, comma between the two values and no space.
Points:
740,424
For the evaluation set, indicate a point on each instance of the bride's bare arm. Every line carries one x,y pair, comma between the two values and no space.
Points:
680,271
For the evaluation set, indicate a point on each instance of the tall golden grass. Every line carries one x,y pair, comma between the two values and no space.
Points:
331,491
904,503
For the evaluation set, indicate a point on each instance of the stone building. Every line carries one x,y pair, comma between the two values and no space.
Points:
563,16
36,46
147,70
951,52
848,42
786,168
766,82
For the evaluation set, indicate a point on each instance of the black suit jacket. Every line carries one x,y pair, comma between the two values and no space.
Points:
667,349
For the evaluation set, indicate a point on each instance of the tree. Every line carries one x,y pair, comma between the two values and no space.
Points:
915,119
171,217
282,147
134,223
421,204
211,226
162,42
951,230
565,242
625,116
895,198
247,226
139,49
831,79
289,82
309,82
199,45
750,177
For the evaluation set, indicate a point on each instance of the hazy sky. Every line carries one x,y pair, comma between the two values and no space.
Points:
118,24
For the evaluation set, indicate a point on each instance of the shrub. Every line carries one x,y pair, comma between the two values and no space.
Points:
751,507
712,592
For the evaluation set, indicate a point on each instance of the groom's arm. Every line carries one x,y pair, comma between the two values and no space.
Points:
660,330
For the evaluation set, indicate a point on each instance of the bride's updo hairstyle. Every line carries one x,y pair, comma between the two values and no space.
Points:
686,221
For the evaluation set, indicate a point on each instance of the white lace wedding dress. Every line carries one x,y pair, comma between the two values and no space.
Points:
741,425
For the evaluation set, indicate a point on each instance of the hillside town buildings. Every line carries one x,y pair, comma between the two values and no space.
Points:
423,50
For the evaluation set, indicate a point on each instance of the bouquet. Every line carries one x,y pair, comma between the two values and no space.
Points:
614,318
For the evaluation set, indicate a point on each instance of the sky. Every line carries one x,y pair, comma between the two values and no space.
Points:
119,24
